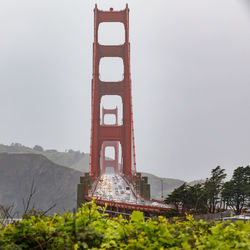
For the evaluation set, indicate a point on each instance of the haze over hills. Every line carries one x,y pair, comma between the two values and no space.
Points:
54,184
70,158
169,185
55,174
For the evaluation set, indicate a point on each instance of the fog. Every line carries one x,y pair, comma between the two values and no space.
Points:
190,65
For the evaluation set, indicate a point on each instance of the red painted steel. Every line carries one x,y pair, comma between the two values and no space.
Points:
110,112
101,133
143,208
113,162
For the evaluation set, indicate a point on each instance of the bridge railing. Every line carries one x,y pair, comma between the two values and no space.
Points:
129,206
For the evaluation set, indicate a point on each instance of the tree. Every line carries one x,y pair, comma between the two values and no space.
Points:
188,197
178,197
213,187
197,197
38,148
236,192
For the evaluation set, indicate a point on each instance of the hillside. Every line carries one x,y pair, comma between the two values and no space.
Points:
55,184
73,159
169,185
80,161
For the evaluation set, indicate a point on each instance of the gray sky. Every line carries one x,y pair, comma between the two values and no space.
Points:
190,74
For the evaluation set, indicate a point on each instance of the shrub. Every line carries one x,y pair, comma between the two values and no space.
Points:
91,228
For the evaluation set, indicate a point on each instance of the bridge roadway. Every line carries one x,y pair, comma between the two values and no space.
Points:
114,188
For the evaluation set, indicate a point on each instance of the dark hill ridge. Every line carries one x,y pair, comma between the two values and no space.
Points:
75,160
55,184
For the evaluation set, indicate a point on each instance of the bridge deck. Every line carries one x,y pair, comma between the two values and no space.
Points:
116,192
114,188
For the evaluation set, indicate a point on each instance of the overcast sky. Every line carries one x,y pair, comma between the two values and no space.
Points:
190,79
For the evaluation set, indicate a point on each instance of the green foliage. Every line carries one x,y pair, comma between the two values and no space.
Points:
236,192
171,213
214,195
188,197
178,197
213,187
90,228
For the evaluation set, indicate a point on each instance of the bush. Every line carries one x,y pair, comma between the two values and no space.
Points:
171,213
91,229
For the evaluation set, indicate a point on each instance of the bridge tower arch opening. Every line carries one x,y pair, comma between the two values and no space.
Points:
111,33
111,110
110,159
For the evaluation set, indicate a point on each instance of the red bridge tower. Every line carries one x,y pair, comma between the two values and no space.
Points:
110,135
